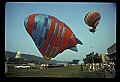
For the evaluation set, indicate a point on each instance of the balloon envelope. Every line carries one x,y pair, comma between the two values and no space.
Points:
50,35
92,19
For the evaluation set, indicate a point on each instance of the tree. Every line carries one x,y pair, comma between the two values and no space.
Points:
75,61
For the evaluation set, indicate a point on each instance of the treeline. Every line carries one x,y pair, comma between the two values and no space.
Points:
93,58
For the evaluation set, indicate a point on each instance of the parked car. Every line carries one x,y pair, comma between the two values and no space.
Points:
32,65
22,66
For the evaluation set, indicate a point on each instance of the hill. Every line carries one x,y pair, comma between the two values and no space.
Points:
10,54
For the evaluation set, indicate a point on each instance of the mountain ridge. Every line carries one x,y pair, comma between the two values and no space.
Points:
31,57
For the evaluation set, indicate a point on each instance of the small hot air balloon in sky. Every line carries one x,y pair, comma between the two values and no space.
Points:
92,19
50,35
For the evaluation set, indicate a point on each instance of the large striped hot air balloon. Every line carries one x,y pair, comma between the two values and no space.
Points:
92,19
50,35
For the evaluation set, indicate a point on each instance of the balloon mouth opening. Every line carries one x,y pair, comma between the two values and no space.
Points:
92,30
47,58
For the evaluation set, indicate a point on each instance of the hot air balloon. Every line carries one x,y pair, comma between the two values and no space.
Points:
92,19
50,35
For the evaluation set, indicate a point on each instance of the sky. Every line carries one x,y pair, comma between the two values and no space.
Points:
72,14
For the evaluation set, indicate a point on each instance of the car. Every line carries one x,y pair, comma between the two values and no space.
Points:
32,65
22,66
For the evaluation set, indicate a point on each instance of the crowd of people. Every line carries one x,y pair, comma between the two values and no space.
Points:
111,67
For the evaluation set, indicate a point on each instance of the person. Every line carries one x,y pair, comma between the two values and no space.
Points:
6,69
81,67
90,67
93,67
113,70
97,66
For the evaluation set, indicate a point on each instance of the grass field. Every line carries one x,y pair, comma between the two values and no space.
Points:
57,72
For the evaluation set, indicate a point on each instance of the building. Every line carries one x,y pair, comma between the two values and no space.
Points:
103,58
111,56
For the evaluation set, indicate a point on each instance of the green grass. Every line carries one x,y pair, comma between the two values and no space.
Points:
57,72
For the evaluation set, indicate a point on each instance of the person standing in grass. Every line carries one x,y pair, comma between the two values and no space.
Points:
6,69
81,67
90,67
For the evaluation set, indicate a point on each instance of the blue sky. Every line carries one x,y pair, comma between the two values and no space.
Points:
71,13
